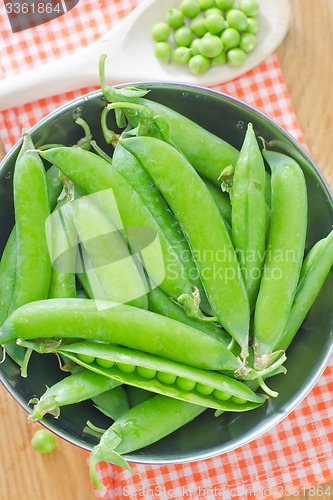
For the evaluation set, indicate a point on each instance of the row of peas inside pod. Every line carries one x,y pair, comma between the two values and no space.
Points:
202,34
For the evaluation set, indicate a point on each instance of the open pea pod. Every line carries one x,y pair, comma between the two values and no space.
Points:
160,303
201,387
141,426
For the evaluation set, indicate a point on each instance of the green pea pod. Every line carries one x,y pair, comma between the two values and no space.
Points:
254,384
31,211
222,201
314,272
268,189
54,184
129,167
31,278
160,375
208,154
285,252
9,256
62,236
312,257
249,213
77,387
81,293
9,262
141,426
95,174
203,226
160,303
120,278
83,278
137,396
132,358
119,324
113,403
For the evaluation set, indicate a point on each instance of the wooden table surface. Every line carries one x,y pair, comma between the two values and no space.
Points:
306,60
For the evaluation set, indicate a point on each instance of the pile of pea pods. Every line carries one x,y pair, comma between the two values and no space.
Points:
141,339
207,33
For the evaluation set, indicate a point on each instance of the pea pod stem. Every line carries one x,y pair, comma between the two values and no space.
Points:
154,374
204,229
264,387
7,275
85,141
25,362
276,363
101,152
94,428
284,255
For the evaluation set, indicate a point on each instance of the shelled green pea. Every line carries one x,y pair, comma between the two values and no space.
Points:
201,34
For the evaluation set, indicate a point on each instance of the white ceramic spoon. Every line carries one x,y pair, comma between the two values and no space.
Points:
131,58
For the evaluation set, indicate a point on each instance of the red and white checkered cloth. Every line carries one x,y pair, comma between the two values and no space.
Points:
298,452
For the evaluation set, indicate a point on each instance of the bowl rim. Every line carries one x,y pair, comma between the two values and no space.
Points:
250,435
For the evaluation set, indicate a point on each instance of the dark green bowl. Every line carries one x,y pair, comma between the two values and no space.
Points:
309,353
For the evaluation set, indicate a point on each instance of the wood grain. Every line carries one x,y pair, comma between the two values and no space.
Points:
306,60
